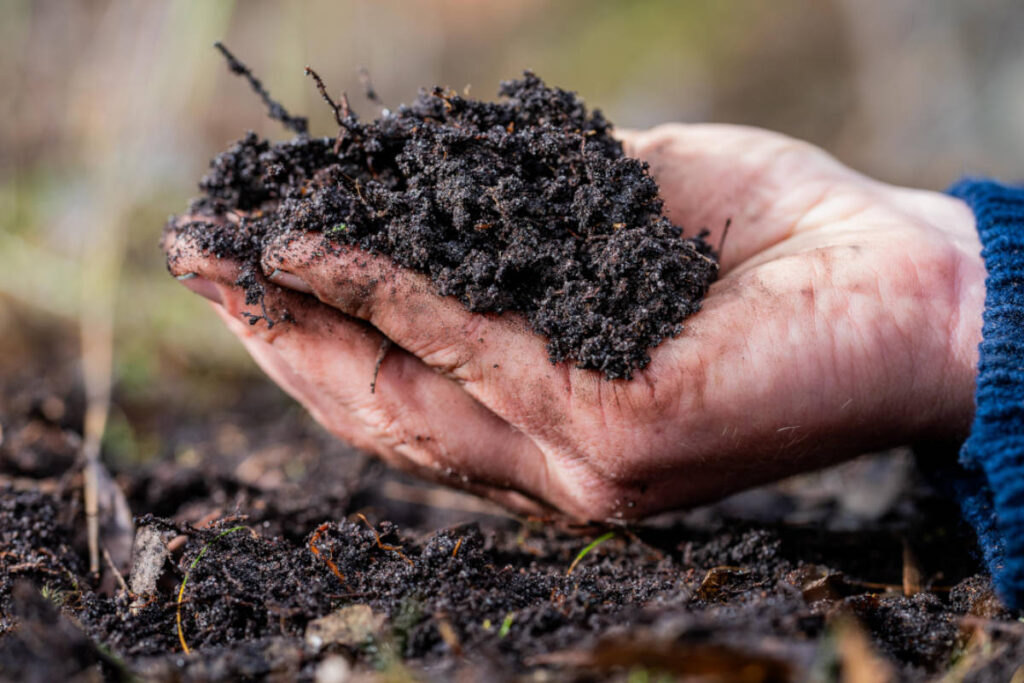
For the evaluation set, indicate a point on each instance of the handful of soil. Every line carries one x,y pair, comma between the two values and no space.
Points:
526,205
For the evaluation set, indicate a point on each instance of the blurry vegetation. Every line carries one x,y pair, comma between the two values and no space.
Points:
110,111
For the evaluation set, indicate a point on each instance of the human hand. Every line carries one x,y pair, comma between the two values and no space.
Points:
846,319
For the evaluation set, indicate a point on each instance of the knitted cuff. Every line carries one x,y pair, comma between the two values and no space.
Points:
992,492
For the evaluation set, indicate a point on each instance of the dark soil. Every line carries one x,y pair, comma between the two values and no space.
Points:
801,581
526,205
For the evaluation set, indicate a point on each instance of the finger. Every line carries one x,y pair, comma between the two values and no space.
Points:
757,182
413,415
498,359
350,429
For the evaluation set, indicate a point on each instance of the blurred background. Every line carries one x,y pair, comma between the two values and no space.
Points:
110,111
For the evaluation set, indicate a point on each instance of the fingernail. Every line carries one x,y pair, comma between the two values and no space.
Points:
289,280
203,288
186,276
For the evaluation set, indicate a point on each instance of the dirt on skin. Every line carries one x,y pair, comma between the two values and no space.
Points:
290,556
524,205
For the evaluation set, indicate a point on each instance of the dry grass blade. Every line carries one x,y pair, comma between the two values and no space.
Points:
448,634
316,551
392,548
184,582
911,572
100,275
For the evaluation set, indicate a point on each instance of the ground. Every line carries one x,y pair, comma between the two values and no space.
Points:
304,559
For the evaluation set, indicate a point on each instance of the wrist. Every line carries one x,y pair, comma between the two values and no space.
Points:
966,326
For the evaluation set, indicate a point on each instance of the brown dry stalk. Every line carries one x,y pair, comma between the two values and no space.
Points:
448,634
382,546
316,551
184,582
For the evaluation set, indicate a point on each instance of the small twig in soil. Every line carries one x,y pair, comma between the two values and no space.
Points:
382,546
458,544
448,634
117,572
590,546
298,124
385,345
328,561
342,112
911,572
184,581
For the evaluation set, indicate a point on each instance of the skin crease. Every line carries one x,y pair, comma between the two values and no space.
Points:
846,319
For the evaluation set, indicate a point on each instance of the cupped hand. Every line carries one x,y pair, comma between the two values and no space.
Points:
846,319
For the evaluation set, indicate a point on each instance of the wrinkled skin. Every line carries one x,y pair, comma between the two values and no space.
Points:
846,319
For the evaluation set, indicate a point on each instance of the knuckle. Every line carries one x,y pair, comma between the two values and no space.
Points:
453,351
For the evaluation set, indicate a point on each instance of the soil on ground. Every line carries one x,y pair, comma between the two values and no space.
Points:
524,205
290,556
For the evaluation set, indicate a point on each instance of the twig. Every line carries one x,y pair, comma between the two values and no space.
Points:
275,110
117,572
911,572
328,561
458,544
382,546
448,634
98,290
342,112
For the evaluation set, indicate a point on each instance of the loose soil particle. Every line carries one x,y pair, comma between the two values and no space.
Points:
524,205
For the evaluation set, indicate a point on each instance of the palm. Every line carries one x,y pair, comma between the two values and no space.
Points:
833,329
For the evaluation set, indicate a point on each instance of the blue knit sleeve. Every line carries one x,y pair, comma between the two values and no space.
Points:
991,490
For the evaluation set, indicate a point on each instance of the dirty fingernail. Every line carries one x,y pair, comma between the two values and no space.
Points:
289,280
203,288
186,276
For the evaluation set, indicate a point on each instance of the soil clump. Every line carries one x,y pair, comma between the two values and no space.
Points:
525,205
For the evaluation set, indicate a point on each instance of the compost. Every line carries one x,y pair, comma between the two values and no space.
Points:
525,205
290,556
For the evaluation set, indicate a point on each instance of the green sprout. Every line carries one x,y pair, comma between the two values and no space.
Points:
53,594
590,546
506,624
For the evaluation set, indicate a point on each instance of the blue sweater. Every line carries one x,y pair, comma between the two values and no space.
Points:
991,484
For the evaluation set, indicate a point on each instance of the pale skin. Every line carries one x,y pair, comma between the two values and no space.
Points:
846,319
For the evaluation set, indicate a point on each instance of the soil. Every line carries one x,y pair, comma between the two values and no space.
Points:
524,205
303,559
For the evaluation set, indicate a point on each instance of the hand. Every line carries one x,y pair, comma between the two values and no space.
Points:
846,319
